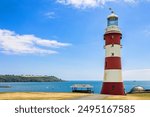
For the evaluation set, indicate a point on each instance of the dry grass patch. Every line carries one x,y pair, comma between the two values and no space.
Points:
137,96
39,96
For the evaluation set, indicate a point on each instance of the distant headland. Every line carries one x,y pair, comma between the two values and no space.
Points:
29,78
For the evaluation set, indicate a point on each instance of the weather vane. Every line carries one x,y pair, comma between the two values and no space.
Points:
111,10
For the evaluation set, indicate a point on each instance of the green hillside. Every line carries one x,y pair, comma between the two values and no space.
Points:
29,78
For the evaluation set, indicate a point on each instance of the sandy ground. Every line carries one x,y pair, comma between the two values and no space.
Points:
69,96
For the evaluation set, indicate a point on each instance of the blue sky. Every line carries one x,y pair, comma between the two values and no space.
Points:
65,37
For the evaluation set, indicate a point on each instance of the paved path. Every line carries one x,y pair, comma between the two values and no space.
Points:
92,97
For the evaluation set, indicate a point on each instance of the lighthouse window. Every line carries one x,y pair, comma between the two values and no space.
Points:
112,45
113,87
112,54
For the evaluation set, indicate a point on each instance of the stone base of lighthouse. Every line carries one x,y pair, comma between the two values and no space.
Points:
113,88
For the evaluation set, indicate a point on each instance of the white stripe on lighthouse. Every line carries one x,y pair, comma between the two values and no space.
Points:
112,75
113,50
113,28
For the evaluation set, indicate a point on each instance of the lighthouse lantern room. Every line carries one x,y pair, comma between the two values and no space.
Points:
112,83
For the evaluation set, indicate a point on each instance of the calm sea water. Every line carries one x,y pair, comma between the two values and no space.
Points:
63,86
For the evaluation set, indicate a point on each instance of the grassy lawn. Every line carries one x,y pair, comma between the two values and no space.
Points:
138,96
39,96
65,96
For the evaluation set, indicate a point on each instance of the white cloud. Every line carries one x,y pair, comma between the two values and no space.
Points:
94,3
140,74
12,43
84,3
131,1
50,15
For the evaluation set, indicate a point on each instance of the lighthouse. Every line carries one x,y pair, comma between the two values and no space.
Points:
113,82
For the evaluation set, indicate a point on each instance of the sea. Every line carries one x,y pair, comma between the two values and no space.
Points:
62,86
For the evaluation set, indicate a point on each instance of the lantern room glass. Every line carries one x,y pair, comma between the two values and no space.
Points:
113,21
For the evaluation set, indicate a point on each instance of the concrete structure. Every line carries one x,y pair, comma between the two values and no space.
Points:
112,83
137,89
82,88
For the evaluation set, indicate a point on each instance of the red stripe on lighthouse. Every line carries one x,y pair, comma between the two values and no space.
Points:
112,63
112,38
113,88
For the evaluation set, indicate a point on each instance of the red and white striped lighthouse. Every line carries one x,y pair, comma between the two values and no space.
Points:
113,83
